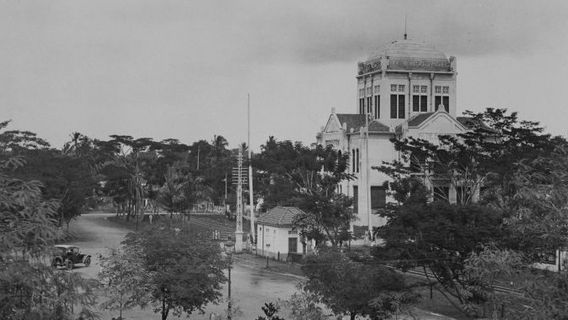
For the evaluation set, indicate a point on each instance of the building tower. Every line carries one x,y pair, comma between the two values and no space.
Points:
406,89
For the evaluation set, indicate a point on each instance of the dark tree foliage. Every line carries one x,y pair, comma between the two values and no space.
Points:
270,311
186,270
439,238
210,163
483,159
64,178
275,163
354,288
295,175
30,289
540,223
485,165
14,141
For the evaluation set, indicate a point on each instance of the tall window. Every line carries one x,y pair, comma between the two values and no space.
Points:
378,197
442,98
377,107
419,99
357,160
361,101
398,102
353,167
397,106
377,113
369,103
355,199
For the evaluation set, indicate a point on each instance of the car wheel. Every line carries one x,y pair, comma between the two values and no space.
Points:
87,261
69,264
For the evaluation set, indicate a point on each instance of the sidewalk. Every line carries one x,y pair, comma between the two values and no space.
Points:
250,260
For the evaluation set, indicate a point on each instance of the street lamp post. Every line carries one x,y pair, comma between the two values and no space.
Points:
229,245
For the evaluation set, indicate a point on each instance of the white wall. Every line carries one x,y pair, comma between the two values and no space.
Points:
380,149
272,240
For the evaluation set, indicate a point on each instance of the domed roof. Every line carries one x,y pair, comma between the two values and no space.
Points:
410,49
407,55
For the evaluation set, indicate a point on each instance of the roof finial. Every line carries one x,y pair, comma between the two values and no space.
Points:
405,35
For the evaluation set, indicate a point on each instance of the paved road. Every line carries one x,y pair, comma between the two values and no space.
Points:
252,285
250,289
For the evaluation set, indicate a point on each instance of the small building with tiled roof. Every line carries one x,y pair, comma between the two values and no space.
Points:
277,236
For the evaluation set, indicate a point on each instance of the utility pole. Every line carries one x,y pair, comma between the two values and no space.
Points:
239,230
367,184
229,305
251,197
229,252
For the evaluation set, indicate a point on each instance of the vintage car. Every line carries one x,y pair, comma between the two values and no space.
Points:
68,256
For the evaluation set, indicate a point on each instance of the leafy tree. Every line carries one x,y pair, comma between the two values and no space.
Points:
487,269
540,222
273,164
303,305
14,141
352,288
439,237
541,294
484,165
484,158
172,195
308,178
124,279
546,296
209,163
186,270
537,228
64,178
270,311
29,289
131,156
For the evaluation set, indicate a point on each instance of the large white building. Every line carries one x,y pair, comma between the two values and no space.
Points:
407,89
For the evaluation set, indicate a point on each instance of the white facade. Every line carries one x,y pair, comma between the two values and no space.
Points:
274,241
408,89
276,235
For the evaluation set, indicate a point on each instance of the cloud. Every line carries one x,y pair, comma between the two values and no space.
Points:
172,64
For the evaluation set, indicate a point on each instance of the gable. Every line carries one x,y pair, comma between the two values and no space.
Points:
441,123
332,124
438,123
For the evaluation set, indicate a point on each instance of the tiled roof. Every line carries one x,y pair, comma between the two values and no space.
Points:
377,126
353,120
419,118
279,216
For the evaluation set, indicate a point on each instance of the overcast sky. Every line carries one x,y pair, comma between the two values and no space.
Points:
182,69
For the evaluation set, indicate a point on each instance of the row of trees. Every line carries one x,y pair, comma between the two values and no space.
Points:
511,212
30,215
510,180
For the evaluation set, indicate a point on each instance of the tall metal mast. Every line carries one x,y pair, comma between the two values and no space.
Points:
251,197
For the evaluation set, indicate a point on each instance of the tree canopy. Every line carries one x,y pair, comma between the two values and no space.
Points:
185,270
